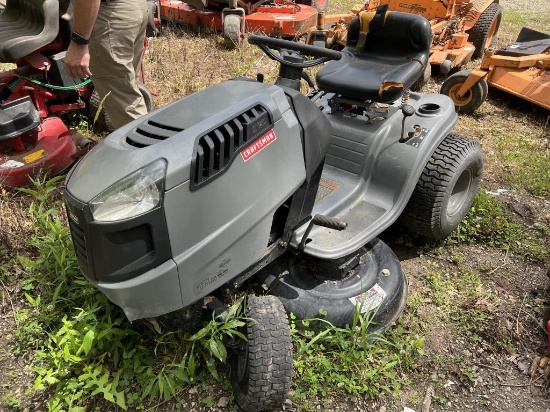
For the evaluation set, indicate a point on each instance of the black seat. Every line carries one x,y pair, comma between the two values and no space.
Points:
380,60
26,26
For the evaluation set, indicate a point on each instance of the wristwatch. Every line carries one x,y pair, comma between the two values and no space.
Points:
78,39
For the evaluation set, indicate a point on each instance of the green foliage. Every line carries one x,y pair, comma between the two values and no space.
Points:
445,288
489,222
528,165
100,109
464,307
212,336
84,347
331,361
10,399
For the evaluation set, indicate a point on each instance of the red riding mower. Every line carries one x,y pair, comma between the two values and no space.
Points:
35,96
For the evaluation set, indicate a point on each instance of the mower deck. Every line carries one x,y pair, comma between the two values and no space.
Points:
368,281
531,84
521,69
283,19
52,153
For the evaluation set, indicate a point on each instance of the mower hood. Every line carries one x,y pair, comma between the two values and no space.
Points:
172,133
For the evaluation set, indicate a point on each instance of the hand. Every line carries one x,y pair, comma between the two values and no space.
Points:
77,61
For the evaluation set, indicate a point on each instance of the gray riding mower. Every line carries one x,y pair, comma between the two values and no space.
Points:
247,181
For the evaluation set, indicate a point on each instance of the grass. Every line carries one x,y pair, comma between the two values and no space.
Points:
350,361
490,222
514,19
527,163
518,145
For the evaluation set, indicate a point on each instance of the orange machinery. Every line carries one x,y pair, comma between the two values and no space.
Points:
522,69
281,18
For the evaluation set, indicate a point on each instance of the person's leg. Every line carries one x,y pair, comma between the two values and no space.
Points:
117,37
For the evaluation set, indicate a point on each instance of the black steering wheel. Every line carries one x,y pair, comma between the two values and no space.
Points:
268,43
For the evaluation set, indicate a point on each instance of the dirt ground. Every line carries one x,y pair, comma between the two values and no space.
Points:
513,380
505,369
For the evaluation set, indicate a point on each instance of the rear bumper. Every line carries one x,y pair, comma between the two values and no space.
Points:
152,294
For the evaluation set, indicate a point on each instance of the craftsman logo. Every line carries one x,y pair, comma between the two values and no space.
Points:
259,145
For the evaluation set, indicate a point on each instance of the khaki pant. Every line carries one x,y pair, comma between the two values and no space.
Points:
116,46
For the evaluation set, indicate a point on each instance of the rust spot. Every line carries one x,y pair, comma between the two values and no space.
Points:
387,85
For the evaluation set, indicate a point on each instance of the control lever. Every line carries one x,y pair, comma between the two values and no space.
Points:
325,221
407,111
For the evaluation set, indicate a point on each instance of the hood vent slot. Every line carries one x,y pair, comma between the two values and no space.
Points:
150,133
215,150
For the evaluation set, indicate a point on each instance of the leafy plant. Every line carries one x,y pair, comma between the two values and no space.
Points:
85,348
331,360
212,336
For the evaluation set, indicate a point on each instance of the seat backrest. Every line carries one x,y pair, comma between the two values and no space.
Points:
391,34
26,26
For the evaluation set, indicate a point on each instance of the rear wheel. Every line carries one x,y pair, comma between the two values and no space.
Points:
261,369
102,120
446,189
472,99
485,29
232,35
423,80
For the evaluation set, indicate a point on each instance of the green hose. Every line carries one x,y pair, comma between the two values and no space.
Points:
51,86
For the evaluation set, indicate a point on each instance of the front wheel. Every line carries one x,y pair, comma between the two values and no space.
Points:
472,99
232,35
261,369
446,189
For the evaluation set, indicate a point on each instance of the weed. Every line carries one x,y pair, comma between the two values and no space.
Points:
85,348
353,361
208,401
489,222
415,398
11,400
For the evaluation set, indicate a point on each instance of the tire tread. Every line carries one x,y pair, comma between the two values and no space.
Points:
479,32
269,355
423,212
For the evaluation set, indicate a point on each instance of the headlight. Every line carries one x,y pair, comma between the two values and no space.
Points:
132,196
